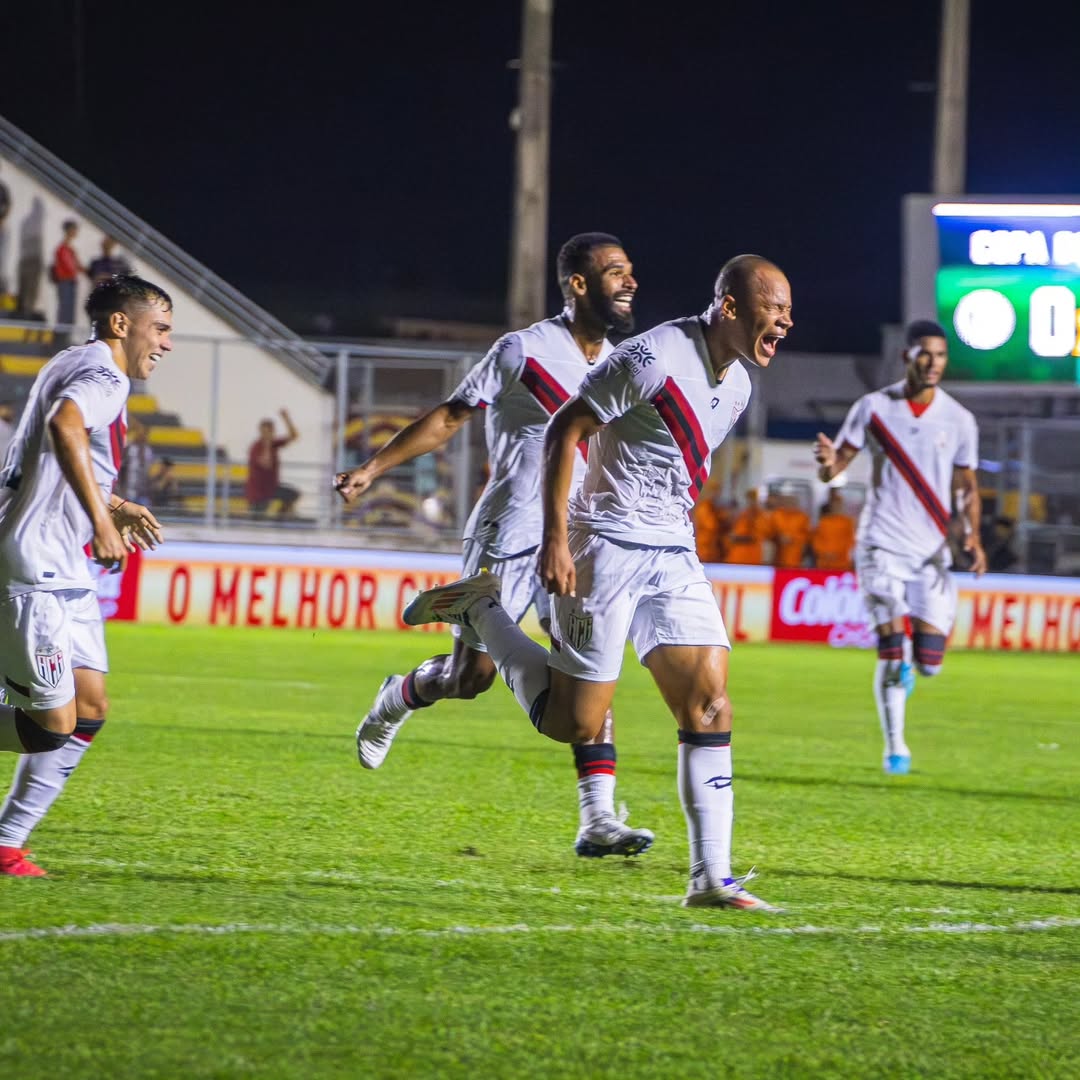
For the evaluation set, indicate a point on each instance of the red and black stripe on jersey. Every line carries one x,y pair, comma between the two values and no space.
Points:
548,392
910,472
680,420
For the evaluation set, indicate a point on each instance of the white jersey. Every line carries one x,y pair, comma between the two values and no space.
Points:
43,526
909,504
665,414
523,379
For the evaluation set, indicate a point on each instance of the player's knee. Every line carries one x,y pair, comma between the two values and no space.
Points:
92,706
929,652
35,738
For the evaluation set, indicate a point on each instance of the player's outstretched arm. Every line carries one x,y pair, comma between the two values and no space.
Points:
969,504
67,428
575,422
431,431
832,460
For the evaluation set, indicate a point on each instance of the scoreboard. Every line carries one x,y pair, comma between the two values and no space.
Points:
1003,279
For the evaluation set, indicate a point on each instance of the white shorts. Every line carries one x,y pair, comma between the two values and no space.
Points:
44,636
520,583
653,596
893,586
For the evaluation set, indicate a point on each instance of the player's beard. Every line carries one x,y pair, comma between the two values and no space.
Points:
620,322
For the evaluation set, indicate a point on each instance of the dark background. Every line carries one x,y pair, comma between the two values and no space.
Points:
349,162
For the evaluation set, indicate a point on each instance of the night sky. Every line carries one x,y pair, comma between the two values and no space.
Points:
350,165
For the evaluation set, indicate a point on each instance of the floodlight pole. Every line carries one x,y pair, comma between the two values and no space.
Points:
950,134
532,119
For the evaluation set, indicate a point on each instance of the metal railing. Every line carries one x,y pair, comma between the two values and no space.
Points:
147,244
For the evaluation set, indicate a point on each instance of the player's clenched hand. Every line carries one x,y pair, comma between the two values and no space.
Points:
138,527
978,556
556,567
108,547
824,450
351,485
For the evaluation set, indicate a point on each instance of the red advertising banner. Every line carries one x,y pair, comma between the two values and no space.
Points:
819,605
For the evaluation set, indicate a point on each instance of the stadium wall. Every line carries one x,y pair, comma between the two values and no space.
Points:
331,588
253,383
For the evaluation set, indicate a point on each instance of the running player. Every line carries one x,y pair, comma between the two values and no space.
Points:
924,446
621,561
56,500
525,377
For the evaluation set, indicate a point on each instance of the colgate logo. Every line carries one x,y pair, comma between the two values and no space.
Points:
837,600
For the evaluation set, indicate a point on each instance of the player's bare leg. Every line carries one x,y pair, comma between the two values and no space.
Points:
563,708
693,681
39,778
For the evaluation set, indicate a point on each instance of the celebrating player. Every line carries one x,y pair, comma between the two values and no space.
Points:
924,445
55,500
525,377
621,562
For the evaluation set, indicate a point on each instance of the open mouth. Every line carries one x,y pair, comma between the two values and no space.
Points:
623,302
769,344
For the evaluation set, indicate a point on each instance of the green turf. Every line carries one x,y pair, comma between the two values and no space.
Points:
253,904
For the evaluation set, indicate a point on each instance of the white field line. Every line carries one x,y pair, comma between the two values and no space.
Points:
114,930
231,680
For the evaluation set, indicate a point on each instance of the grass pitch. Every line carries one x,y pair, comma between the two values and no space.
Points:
231,895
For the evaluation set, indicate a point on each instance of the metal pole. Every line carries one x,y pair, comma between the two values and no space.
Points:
1023,527
463,478
341,420
950,135
532,119
212,457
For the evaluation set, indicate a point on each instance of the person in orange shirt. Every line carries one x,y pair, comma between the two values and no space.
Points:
791,531
712,525
751,529
833,538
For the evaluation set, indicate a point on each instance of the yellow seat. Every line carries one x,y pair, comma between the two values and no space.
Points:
142,404
200,471
29,337
21,365
176,436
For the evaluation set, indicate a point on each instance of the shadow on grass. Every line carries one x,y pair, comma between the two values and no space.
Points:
939,883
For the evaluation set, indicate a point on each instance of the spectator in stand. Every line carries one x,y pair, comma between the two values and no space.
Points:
107,265
997,538
791,529
164,483
134,481
65,272
748,535
264,469
832,541
712,525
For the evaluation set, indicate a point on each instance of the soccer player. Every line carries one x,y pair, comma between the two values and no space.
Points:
620,561
525,377
55,501
924,446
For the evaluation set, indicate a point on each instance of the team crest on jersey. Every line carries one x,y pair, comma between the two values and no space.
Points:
50,664
578,629
634,356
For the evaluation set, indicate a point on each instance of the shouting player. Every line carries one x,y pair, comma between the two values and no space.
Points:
525,377
620,562
55,500
924,445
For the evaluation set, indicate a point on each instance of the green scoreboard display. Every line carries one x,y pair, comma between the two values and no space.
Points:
1006,287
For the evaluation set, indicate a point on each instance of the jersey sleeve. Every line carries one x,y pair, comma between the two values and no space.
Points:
98,392
630,376
853,430
967,449
489,379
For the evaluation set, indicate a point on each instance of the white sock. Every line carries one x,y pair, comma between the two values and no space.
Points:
596,797
38,781
891,699
521,662
709,805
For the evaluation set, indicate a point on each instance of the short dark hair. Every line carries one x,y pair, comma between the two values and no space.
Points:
70,223
574,255
123,292
921,328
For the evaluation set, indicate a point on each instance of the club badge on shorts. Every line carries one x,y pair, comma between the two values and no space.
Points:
578,629
50,664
